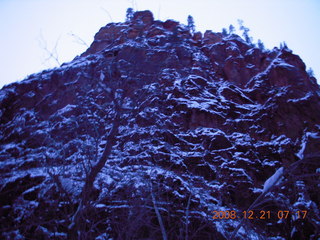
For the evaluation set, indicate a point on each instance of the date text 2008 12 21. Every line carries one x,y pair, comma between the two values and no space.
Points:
281,214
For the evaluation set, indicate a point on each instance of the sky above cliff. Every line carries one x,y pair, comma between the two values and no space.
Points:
31,30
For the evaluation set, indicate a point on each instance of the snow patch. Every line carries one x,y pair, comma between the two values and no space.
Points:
273,180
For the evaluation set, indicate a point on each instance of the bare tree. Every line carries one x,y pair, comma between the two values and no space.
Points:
107,12
78,221
187,217
163,230
78,39
51,54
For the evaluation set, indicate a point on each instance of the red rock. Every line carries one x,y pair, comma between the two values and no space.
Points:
156,31
235,71
145,16
197,36
133,33
170,25
211,37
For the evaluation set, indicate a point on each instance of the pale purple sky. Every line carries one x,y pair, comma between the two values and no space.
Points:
27,26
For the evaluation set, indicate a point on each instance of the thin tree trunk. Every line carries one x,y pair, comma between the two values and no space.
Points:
163,231
77,223
187,217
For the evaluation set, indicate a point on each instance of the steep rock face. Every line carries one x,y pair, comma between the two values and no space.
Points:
205,121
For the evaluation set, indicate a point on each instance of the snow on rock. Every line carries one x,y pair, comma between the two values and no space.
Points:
273,180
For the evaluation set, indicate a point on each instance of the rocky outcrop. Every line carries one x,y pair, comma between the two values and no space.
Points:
205,121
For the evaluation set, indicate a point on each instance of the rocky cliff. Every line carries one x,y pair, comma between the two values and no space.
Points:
197,126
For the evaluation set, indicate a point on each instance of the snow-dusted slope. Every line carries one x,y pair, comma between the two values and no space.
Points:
204,122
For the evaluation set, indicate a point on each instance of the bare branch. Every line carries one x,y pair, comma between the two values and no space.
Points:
77,39
77,219
106,11
163,231
51,54
187,216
